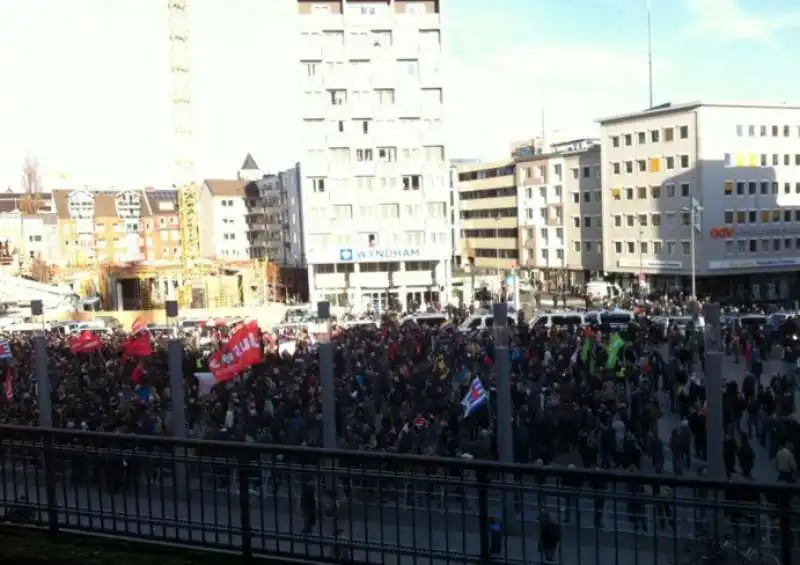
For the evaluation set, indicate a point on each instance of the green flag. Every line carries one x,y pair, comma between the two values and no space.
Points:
612,350
586,349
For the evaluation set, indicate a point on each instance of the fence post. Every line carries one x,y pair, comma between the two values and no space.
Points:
244,505
50,482
483,513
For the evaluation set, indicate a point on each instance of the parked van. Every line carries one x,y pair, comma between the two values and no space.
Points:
600,290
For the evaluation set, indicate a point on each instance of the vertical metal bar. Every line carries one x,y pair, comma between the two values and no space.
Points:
178,420
714,409
43,382
244,508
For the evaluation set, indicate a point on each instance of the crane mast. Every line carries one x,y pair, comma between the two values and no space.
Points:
184,173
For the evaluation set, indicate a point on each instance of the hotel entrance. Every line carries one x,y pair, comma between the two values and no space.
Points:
378,302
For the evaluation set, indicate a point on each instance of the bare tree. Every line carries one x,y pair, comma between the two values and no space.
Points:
31,178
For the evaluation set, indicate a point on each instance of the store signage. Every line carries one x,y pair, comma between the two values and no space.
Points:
722,233
763,263
649,264
379,254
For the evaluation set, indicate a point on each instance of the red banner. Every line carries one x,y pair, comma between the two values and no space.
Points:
138,325
137,347
85,342
243,350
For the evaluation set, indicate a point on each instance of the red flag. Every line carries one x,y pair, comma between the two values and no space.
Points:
8,386
138,346
242,351
138,374
85,342
138,325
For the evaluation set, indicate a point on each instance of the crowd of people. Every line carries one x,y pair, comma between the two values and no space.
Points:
400,387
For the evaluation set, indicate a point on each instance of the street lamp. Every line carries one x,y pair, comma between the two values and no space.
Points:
694,209
497,254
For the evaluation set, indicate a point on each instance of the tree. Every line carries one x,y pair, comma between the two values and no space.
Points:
31,178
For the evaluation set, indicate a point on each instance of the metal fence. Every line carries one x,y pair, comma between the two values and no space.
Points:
316,504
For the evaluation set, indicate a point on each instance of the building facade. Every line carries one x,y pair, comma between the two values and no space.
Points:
488,218
375,196
560,213
225,224
737,167
294,244
455,220
163,228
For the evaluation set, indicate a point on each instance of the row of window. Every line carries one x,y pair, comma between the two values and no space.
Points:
372,8
428,40
762,160
743,188
744,217
669,190
487,193
486,173
345,212
319,128
366,184
659,248
409,238
651,165
762,245
767,131
665,135
490,214
654,219
539,173
493,233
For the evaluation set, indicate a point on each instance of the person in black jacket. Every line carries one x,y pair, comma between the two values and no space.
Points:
549,536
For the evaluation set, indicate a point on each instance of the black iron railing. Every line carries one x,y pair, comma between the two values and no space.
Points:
316,504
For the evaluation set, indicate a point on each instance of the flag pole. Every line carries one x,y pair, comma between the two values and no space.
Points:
650,53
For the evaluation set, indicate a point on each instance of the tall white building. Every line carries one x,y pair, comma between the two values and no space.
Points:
374,186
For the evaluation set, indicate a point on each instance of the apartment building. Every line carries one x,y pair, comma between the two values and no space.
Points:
163,228
294,244
737,167
27,229
101,226
375,196
487,196
455,223
560,213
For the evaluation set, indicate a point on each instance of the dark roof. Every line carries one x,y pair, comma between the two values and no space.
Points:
249,164
163,201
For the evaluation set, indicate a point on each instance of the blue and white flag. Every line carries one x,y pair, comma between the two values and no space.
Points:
475,397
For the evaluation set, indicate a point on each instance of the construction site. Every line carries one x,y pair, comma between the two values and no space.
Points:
125,251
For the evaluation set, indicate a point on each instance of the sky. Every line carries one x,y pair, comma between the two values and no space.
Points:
84,84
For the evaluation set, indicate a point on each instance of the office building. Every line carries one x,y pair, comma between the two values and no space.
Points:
488,220
560,212
455,229
736,166
375,196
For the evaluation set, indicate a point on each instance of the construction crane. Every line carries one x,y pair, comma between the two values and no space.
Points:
185,181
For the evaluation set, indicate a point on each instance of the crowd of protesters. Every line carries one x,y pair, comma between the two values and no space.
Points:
400,388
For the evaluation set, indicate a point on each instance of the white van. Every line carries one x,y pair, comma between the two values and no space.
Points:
558,319
478,322
617,320
600,290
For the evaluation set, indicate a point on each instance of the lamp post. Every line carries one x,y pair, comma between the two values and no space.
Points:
641,263
693,209
497,254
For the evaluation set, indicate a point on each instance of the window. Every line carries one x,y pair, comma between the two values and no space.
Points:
576,245
683,132
641,165
728,187
669,163
655,192
411,182
654,164
318,184
739,131
576,222
631,247
642,220
641,192
628,194
389,211
655,219
655,136
618,247
670,190
685,218
657,247
685,190
614,141
587,221
408,68
728,216
630,220
628,140
686,248
669,134
628,167
384,97
437,210
740,188
615,168
338,97
364,155
387,154
617,221
641,138
684,161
